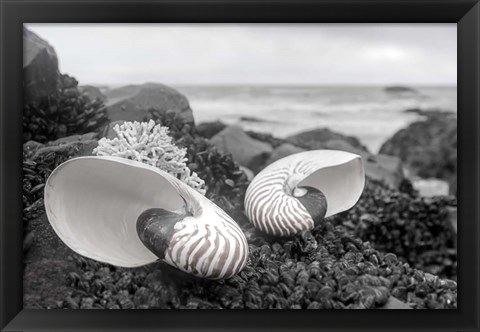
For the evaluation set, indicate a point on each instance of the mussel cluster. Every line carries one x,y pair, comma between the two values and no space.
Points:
418,230
323,267
63,113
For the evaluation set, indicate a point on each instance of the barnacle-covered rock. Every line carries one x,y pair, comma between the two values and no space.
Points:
330,266
62,113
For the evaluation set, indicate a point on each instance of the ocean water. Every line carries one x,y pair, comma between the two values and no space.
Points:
369,113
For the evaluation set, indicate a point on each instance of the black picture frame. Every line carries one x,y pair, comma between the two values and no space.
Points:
466,13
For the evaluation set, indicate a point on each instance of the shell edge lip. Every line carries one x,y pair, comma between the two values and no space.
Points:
80,251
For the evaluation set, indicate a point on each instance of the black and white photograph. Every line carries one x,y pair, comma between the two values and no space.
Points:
240,166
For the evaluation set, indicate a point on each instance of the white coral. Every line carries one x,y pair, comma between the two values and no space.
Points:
150,144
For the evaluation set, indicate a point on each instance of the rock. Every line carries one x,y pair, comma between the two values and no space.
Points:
40,67
131,103
342,145
45,283
28,242
45,242
316,139
453,217
275,142
210,129
428,147
394,303
282,151
431,187
74,138
72,149
380,167
245,150
92,92
452,185
397,89
62,113
385,168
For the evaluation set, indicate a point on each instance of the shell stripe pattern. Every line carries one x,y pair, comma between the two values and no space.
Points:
269,203
207,250
209,244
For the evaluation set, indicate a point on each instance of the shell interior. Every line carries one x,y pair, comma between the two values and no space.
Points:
339,175
93,204
341,184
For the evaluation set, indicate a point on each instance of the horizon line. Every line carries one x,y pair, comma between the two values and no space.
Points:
278,84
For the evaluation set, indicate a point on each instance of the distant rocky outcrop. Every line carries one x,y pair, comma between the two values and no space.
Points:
245,150
40,67
316,139
92,92
400,89
131,103
428,147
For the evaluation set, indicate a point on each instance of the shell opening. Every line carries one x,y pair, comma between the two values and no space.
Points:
93,204
342,184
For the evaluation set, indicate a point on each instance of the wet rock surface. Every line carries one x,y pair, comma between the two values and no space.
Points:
245,150
332,266
428,147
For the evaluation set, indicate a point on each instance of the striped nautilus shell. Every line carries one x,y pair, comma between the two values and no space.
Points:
297,192
129,214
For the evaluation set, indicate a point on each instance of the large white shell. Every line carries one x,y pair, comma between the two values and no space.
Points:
93,204
270,206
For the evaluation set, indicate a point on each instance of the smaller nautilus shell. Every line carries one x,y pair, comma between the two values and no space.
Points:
297,192
129,214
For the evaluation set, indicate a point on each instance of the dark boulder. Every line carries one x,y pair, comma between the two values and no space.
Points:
92,92
132,102
245,150
282,151
40,67
210,129
428,147
316,139
387,169
399,89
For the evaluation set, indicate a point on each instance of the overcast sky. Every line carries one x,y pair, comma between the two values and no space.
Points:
182,54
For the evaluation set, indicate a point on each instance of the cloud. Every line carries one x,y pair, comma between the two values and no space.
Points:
255,53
